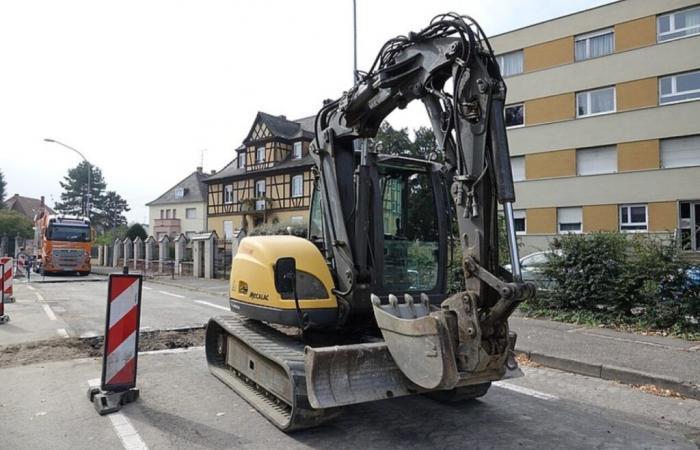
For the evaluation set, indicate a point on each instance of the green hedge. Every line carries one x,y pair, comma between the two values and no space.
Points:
622,279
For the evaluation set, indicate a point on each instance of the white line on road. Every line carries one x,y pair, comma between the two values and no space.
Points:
126,432
49,312
202,302
524,390
63,333
39,296
31,288
146,288
171,294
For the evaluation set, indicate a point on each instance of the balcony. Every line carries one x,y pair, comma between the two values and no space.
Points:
167,226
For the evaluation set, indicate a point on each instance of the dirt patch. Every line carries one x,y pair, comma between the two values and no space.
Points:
62,349
655,390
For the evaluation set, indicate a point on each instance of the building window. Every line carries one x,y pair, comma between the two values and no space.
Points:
680,152
179,192
167,214
633,218
297,185
260,154
679,88
593,45
569,220
162,213
260,193
598,101
174,214
515,116
678,24
596,160
228,194
517,164
296,151
519,216
510,63
191,213
241,160
297,220
228,229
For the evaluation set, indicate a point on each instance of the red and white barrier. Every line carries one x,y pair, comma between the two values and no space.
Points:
121,345
7,279
3,317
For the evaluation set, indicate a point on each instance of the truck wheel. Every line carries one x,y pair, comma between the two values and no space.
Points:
459,394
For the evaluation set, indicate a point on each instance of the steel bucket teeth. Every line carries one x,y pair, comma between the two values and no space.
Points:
418,340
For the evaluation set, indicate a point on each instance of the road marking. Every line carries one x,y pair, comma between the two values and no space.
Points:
146,288
524,390
202,302
49,312
126,432
63,333
39,296
31,288
171,294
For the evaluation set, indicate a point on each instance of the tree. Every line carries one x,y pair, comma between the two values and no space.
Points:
111,214
13,223
394,142
74,196
3,185
136,230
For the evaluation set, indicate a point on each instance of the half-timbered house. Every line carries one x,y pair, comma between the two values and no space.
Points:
268,182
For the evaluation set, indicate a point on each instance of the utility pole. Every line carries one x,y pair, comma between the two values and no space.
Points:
354,41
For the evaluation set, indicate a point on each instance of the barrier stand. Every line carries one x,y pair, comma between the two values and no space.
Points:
3,317
7,278
118,383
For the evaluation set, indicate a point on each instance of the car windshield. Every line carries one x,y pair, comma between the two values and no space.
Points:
71,233
534,260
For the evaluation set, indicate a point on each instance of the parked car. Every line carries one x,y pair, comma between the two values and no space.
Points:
532,268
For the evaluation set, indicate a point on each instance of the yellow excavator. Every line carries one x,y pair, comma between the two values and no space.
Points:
360,311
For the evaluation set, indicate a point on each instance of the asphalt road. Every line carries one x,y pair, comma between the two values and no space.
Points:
183,407
77,307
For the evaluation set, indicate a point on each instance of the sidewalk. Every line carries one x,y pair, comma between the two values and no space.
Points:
665,362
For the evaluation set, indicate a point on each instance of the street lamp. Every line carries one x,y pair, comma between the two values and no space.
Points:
86,207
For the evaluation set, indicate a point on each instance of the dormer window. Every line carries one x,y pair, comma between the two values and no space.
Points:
296,152
179,192
260,154
241,160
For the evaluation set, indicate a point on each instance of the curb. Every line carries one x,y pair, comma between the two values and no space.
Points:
613,373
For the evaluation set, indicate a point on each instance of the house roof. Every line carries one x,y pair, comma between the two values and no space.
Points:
27,206
280,127
195,190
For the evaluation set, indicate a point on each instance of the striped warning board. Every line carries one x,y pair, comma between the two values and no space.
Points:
121,333
3,317
7,278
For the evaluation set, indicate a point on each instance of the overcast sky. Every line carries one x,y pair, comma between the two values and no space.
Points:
142,87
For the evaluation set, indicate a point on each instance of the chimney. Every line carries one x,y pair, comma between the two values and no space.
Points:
42,201
283,116
327,101
199,169
213,172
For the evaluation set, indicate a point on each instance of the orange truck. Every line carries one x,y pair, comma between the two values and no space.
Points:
62,244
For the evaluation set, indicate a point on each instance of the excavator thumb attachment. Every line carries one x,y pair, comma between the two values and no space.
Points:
419,340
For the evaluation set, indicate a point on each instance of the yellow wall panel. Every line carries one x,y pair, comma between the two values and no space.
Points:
638,155
541,220
600,218
635,33
549,54
561,163
637,94
663,216
550,109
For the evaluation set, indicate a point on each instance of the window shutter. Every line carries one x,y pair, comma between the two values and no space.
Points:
518,166
680,152
590,161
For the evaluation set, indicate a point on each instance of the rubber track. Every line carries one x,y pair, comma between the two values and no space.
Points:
285,351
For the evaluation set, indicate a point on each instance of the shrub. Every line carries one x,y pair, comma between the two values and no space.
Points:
620,278
280,228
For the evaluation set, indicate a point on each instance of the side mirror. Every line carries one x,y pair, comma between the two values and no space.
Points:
285,275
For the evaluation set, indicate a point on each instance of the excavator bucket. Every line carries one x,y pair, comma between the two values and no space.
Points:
419,340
